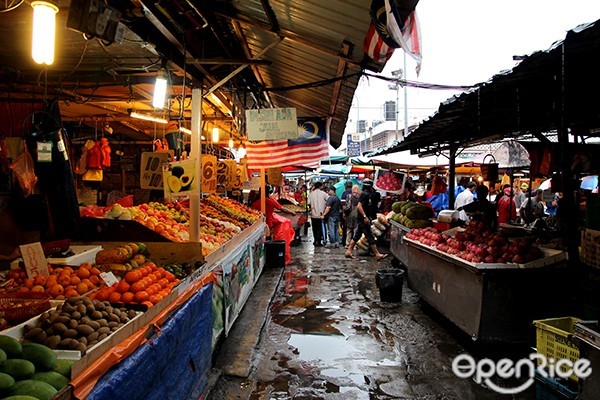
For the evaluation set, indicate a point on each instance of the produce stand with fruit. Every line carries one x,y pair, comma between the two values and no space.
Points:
468,276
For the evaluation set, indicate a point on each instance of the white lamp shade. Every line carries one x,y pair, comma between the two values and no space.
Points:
215,134
241,152
231,143
160,92
44,24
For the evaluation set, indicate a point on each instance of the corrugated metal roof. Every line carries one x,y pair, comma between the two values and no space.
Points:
548,90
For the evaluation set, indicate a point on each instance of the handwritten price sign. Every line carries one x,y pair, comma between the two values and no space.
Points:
209,174
151,169
34,259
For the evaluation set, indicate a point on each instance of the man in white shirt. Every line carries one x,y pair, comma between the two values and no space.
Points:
465,197
317,200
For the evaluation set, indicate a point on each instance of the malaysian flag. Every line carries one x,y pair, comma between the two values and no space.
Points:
308,150
387,23
404,29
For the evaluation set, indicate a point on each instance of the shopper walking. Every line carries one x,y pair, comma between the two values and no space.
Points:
367,211
332,216
317,200
345,206
351,214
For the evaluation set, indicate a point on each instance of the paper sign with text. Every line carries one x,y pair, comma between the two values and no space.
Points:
272,123
209,174
151,176
34,259
109,278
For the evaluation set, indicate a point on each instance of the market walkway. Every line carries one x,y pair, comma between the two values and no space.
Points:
326,335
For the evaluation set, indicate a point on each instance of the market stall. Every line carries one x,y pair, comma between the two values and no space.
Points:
474,282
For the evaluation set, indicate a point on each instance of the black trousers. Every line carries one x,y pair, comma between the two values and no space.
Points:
317,229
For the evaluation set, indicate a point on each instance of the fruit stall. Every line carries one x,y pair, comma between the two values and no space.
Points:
488,285
111,315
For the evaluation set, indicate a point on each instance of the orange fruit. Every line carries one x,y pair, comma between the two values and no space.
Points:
29,283
67,268
38,289
64,280
151,291
160,273
164,282
132,276
153,278
57,271
86,265
71,293
39,280
156,287
56,290
114,297
169,276
142,296
94,271
51,281
155,298
95,280
88,283
102,295
75,280
138,287
123,286
147,304
81,288
127,297
83,273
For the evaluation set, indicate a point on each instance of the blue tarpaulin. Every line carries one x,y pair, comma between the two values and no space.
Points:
173,364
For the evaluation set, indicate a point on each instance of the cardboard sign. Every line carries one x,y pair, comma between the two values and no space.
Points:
151,176
225,172
179,178
272,123
209,174
274,176
34,259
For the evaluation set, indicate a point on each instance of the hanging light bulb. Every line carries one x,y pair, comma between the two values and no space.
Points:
230,142
44,24
241,151
215,134
160,89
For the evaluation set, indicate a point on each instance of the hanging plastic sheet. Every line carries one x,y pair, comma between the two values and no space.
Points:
173,364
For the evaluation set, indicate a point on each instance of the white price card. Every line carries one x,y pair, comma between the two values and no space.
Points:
44,151
109,278
34,259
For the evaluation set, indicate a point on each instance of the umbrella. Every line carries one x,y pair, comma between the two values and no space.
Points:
546,184
589,182
340,187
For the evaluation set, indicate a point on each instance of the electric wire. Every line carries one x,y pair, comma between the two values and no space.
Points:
14,7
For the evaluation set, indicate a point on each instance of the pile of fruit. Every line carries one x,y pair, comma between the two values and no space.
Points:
389,181
77,324
64,282
13,279
220,219
121,259
30,370
146,285
411,214
478,245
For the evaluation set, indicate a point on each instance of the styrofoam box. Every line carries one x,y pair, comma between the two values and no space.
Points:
82,254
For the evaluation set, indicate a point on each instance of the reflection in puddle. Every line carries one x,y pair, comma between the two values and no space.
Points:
320,347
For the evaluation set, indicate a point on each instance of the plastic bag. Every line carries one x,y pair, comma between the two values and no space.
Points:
24,169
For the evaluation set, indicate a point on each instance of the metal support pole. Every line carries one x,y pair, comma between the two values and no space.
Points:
452,177
196,153
405,101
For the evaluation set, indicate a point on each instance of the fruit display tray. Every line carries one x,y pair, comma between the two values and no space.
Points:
551,257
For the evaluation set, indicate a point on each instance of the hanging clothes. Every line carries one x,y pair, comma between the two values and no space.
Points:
105,153
82,164
94,160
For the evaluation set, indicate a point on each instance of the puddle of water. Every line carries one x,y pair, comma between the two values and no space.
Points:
310,320
325,348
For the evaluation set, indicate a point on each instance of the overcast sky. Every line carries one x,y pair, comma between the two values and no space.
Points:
467,42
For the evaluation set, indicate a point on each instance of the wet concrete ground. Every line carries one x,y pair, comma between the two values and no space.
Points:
327,335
